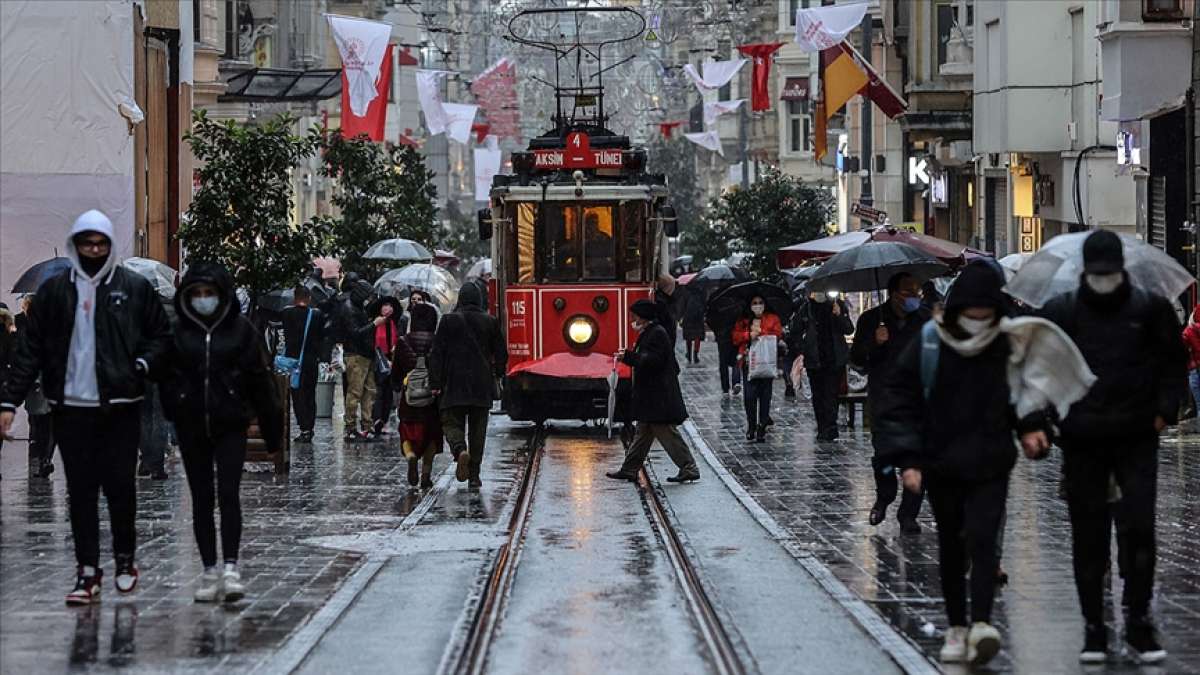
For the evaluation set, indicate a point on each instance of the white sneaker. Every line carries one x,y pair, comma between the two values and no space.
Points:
983,642
231,583
737,389
954,649
210,586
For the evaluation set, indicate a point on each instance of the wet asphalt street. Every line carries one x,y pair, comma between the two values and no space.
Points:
351,571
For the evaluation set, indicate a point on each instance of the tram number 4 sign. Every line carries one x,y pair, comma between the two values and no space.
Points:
868,213
578,154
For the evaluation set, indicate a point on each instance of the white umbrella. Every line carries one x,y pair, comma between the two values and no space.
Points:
1057,268
1012,264
160,275
440,284
398,249
612,396
480,268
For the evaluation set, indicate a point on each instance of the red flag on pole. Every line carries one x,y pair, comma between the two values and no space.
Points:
760,98
481,131
373,122
665,128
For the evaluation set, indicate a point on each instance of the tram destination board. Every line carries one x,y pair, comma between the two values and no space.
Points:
578,154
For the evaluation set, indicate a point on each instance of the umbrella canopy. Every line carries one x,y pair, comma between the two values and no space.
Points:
441,286
946,251
1012,263
684,279
799,276
33,277
870,266
480,268
331,268
279,300
397,249
160,275
730,304
447,259
682,265
722,273
1057,268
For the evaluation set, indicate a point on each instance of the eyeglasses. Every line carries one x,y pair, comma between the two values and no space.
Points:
94,244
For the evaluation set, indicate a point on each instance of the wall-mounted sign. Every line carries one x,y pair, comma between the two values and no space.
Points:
795,89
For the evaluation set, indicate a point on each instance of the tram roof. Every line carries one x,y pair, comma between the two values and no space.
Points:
565,193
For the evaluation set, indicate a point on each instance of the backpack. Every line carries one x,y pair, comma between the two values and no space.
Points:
417,392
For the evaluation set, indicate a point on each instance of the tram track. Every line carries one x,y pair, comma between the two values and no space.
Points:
469,655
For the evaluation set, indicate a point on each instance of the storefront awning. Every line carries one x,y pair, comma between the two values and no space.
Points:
795,89
280,84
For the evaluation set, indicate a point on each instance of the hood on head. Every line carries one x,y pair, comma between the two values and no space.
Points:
1103,253
206,273
92,221
469,297
360,293
645,309
422,318
979,285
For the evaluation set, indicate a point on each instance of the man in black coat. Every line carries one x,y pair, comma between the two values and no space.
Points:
826,325
881,334
468,356
95,333
1131,341
657,404
356,332
304,339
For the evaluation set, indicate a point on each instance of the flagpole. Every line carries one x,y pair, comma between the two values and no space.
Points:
866,197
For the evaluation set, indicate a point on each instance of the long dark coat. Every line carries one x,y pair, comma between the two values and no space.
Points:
656,395
468,353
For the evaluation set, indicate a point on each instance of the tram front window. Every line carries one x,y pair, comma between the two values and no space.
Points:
580,243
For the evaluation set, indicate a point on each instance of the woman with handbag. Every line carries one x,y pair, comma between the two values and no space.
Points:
420,423
387,334
751,333
217,380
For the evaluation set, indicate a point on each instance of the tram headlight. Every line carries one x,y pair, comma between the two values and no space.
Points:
580,331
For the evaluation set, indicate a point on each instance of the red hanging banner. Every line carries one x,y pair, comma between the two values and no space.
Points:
373,122
665,128
760,98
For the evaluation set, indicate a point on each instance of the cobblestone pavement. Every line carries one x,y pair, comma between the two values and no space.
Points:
331,490
821,494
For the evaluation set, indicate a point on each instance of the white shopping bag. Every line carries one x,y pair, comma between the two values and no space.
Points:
762,357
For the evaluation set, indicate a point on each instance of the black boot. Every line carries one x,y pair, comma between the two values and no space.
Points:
761,436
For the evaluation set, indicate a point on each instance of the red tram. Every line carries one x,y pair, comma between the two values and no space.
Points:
578,234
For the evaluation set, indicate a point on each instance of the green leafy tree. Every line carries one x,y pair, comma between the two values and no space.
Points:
380,194
777,210
241,215
461,235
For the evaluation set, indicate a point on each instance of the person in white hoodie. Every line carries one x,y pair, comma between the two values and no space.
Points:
95,333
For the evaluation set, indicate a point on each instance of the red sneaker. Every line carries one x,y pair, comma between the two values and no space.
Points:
87,588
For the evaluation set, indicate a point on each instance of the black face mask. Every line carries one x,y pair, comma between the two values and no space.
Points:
92,265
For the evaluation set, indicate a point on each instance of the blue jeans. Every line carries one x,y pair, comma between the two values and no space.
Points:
1194,385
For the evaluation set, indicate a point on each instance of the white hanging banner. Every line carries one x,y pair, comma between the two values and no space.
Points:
819,28
459,118
716,74
714,109
487,165
362,45
429,94
709,140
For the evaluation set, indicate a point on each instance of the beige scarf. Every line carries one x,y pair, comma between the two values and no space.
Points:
1044,365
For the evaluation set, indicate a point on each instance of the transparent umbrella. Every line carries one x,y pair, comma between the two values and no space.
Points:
1057,268
398,249
480,268
440,284
160,275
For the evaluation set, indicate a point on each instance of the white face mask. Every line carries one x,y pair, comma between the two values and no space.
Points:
758,309
206,306
974,326
1103,284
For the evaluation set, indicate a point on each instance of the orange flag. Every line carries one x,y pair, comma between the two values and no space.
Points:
843,80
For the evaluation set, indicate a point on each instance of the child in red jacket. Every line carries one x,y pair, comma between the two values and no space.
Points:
1191,338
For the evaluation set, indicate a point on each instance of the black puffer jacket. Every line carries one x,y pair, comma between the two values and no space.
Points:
219,378
1130,339
657,398
130,325
965,431
353,328
468,352
824,335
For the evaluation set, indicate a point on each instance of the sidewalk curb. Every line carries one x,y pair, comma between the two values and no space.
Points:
906,655
292,654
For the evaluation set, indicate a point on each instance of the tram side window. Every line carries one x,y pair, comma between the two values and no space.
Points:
633,224
526,220
599,243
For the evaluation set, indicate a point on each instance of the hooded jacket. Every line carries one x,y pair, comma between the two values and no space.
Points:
218,375
468,353
88,335
353,328
1130,339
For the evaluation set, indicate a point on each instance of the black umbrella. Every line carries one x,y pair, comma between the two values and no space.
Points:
277,301
33,277
869,267
732,303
